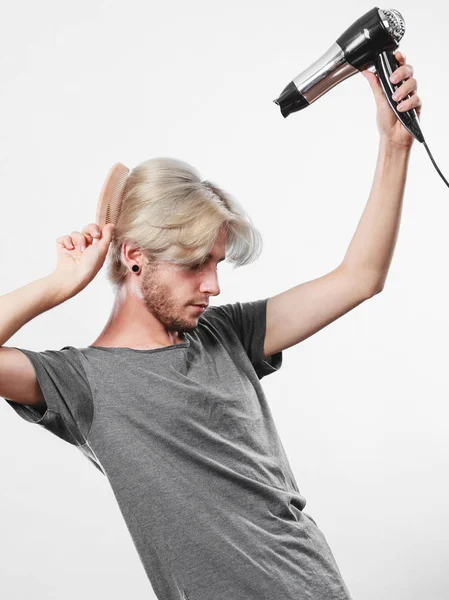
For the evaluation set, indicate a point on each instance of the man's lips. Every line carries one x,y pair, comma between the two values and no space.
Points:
200,307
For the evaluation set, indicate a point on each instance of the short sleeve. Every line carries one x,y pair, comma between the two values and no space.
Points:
67,392
248,320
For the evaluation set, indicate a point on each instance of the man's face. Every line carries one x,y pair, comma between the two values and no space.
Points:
170,290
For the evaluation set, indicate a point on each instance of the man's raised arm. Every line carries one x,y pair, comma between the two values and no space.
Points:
301,311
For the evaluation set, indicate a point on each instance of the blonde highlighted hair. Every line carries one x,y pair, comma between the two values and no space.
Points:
171,215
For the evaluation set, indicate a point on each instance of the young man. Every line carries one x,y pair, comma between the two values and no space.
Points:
167,402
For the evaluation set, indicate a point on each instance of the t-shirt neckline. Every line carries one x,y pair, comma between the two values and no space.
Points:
170,347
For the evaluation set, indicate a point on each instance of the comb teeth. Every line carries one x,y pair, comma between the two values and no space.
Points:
111,195
115,201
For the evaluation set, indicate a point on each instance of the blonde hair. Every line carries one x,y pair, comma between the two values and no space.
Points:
171,215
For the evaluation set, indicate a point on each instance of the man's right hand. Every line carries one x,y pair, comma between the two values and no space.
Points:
76,267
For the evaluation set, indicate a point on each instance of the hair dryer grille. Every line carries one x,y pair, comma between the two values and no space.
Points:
396,23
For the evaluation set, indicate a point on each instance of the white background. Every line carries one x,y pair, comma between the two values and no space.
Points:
362,406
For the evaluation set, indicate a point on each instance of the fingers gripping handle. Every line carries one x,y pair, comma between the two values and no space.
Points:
385,64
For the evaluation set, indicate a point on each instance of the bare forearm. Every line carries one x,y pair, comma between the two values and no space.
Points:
372,246
24,304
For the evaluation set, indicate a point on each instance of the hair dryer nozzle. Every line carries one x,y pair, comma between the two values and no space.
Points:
290,100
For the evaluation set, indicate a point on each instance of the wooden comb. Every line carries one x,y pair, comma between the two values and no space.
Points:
111,196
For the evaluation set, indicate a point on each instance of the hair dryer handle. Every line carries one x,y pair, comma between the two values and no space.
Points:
385,64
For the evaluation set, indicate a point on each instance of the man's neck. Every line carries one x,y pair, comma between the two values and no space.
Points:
130,325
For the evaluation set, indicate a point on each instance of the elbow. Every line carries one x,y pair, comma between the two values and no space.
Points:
371,286
366,282
376,287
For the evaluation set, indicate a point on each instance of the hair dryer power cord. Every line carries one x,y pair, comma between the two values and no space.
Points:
435,165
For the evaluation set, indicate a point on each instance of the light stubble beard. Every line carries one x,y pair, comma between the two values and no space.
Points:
158,300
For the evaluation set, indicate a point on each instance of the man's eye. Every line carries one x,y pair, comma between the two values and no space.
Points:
199,266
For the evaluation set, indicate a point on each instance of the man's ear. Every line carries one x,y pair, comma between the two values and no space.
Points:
130,252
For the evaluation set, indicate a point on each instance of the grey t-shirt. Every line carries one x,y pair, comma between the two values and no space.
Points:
187,440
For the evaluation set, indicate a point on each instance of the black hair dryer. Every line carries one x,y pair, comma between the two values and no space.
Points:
369,44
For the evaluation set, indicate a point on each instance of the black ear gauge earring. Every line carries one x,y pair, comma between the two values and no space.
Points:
135,268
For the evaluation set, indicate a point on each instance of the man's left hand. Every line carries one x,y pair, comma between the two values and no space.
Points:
389,126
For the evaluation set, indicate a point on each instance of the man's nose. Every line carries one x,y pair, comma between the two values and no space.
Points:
209,284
